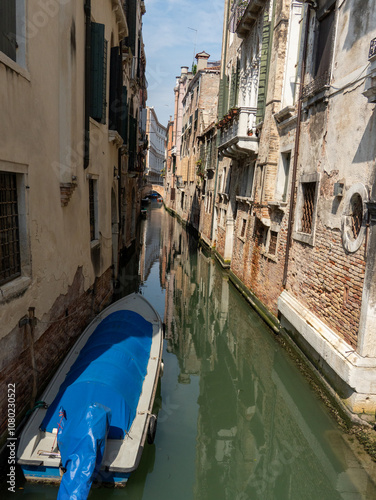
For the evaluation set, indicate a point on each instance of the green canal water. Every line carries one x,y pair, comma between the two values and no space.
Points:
237,421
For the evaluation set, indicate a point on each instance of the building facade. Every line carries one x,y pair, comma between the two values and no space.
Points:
64,157
156,137
294,175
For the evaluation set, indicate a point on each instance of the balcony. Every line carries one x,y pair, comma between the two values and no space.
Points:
244,13
238,135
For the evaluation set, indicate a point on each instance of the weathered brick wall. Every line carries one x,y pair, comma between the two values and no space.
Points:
220,243
329,282
53,337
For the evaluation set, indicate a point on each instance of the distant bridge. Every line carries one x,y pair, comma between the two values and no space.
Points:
158,188
149,187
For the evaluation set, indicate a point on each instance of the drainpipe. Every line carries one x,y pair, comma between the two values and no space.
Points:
296,150
223,68
87,9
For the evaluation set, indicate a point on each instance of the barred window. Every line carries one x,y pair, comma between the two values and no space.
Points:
10,260
309,191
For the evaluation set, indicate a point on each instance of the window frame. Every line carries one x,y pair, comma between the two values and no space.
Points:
298,234
283,176
18,62
18,284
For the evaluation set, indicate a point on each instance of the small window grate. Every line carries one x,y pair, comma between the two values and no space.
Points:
10,260
309,190
356,215
273,242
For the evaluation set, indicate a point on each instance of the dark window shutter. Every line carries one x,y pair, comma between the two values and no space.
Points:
324,44
98,76
8,42
132,143
131,10
237,81
124,116
116,89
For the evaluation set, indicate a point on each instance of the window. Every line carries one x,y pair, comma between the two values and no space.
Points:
283,177
249,180
93,209
259,235
98,73
8,41
243,227
10,258
324,44
273,242
309,189
13,30
306,208
322,56
356,215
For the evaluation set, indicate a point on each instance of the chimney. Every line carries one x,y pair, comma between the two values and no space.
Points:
202,60
184,70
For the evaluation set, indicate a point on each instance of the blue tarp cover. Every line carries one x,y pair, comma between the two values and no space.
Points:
82,444
109,370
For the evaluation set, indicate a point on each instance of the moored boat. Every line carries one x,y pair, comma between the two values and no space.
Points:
98,406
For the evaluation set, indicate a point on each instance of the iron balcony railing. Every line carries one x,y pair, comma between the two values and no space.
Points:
237,12
243,14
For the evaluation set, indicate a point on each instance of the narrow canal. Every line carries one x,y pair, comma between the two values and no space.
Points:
237,421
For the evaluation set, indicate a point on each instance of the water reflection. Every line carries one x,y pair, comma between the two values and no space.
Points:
261,433
238,421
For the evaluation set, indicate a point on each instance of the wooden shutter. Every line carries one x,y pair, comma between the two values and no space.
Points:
131,9
115,108
324,44
124,116
264,67
98,76
220,99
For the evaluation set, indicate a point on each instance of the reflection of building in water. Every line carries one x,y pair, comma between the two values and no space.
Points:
150,246
260,430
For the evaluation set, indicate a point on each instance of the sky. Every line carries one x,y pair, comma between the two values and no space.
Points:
174,31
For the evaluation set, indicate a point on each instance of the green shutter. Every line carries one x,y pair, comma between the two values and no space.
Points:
226,95
220,99
264,67
237,81
97,71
